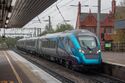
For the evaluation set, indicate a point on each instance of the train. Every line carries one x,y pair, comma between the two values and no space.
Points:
72,48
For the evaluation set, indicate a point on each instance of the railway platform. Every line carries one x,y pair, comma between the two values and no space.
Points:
16,69
115,58
114,64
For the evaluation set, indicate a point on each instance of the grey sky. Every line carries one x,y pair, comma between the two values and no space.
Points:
69,12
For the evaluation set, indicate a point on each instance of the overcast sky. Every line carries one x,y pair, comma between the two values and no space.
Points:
69,12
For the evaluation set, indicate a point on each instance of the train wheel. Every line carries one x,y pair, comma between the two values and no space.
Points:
67,64
71,66
64,62
60,61
56,60
52,58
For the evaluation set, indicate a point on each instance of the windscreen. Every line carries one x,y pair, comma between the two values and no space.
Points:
87,42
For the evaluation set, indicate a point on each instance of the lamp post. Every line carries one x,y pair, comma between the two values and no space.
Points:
98,19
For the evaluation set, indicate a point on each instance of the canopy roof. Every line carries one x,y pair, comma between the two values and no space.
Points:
17,13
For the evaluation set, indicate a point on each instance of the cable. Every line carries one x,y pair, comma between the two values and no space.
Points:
61,14
67,9
58,7
66,3
86,1
70,2
52,6
58,2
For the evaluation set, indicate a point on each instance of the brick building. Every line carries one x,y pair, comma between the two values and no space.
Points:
89,21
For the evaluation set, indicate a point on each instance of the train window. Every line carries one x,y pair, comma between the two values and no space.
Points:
54,44
87,41
46,42
49,44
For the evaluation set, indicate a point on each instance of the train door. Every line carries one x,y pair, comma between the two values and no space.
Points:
64,49
68,47
71,47
60,48
36,45
40,46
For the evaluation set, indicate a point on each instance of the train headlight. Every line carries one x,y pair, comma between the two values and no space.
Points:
98,51
81,51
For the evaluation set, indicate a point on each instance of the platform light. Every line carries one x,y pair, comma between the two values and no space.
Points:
9,14
7,21
98,51
5,25
81,51
13,2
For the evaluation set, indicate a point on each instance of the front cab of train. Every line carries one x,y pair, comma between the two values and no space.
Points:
89,50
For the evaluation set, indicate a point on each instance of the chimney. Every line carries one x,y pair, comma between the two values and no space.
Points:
113,6
79,8
78,16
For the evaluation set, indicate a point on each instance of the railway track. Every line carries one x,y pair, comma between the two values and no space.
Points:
68,76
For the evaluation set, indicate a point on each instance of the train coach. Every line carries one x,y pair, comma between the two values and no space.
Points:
71,48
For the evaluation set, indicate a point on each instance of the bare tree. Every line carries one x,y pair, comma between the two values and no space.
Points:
120,11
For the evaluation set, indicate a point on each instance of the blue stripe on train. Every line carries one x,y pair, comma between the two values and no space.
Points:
80,56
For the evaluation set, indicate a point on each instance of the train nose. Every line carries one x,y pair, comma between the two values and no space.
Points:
91,56
98,51
81,51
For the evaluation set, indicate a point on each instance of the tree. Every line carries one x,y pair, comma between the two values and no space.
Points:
49,29
122,3
43,33
59,28
120,11
119,36
63,27
120,14
7,42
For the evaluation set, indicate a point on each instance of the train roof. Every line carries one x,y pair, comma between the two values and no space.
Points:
31,38
66,33
62,34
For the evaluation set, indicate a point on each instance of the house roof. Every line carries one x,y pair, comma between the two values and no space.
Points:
120,24
84,15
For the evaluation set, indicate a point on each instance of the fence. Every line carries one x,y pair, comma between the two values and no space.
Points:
120,47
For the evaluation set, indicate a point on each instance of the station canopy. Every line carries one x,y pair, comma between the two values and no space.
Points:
17,13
